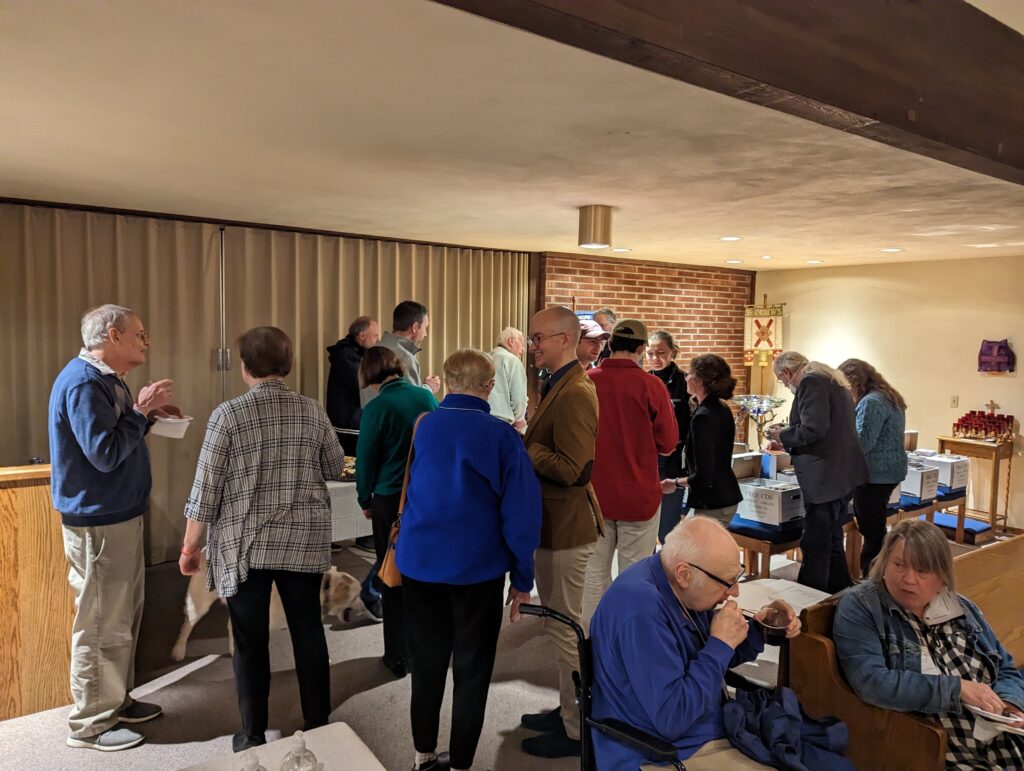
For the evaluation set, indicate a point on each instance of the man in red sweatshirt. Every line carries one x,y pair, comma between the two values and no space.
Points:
636,424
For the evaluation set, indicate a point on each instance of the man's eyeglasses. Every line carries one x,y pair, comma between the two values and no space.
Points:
535,339
722,581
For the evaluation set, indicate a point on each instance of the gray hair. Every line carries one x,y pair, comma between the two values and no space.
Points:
793,361
510,332
98,321
925,549
683,546
608,313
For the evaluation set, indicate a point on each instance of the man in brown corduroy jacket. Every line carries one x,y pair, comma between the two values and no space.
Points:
560,439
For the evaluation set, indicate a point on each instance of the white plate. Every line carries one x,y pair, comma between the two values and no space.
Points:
172,428
995,718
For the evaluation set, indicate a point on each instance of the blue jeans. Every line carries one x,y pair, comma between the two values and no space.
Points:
369,593
672,507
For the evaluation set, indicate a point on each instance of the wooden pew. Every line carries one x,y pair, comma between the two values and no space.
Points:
881,738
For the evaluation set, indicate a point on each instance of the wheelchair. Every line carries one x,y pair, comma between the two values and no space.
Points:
653,748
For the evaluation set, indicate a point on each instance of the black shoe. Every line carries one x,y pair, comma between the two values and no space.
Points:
241,742
375,608
139,712
555,744
398,667
365,542
545,722
440,763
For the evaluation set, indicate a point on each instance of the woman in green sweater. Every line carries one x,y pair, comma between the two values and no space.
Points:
385,432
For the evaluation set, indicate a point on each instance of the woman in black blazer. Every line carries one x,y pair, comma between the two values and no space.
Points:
713,489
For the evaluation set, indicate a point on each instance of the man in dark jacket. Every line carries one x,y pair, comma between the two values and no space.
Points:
344,405
822,438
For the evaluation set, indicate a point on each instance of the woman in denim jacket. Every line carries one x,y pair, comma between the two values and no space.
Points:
906,641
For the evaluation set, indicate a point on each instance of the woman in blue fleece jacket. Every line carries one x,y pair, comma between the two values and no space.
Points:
472,515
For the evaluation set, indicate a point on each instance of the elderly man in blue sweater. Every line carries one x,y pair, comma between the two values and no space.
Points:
100,479
661,651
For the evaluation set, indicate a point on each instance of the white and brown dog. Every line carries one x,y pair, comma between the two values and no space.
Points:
339,597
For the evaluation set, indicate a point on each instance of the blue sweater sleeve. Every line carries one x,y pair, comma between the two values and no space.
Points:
673,696
520,513
870,417
106,439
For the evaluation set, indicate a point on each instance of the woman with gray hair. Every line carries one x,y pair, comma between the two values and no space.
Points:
472,515
907,641
822,438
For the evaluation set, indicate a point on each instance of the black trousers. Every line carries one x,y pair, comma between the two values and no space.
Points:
870,503
250,617
385,512
458,624
824,557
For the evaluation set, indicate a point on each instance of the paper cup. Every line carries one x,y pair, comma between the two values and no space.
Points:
172,428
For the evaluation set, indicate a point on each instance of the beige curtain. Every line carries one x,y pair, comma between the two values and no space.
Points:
57,263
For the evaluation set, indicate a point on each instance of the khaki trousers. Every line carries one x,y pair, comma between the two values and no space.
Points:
715,756
560,574
723,515
633,540
107,575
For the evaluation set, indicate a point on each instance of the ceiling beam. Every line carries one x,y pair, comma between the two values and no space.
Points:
934,77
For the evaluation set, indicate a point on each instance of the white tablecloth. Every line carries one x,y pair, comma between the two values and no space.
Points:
335,745
347,520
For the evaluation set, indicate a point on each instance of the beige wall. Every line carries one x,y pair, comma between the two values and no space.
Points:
921,325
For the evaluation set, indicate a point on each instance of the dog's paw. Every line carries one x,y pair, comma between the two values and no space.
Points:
178,653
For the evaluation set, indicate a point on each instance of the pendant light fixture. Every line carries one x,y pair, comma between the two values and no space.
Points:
595,226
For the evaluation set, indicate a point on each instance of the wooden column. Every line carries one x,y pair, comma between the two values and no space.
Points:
36,602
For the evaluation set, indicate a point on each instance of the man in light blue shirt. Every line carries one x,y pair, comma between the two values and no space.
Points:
508,398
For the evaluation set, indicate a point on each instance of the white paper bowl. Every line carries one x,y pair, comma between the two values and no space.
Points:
172,428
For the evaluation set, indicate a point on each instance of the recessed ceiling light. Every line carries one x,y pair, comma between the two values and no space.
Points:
734,262
731,238
766,256
984,246
815,262
891,249
621,249
594,246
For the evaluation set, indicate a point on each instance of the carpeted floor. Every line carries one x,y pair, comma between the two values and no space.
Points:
200,710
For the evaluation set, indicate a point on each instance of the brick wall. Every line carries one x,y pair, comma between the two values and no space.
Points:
701,307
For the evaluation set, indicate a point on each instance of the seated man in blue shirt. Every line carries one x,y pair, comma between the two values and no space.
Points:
661,652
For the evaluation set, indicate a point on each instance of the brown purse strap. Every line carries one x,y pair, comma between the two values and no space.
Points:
408,464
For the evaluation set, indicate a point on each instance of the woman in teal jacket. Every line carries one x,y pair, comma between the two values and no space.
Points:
385,432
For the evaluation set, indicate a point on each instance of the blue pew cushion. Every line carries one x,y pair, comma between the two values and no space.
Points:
970,525
763,532
950,494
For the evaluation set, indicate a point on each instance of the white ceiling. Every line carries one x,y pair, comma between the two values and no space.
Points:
412,120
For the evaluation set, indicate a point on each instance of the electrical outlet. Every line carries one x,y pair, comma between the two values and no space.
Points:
954,400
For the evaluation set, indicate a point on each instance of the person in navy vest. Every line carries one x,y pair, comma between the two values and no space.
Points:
100,479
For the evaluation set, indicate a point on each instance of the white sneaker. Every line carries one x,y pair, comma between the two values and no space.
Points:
112,740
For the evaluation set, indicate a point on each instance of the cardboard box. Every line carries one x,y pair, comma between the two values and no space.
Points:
746,464
952,469
921,484
770,502
738,448
773,462
910,440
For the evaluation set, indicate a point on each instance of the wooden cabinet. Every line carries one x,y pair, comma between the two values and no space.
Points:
37,605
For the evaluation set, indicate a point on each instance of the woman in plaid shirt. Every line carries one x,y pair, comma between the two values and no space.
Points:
260,489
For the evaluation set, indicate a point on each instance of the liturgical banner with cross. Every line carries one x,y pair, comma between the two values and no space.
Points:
762,334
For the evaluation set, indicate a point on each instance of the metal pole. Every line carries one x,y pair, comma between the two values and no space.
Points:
224,354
